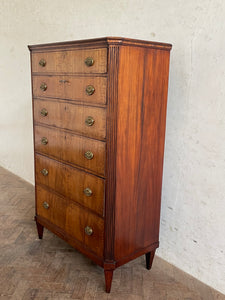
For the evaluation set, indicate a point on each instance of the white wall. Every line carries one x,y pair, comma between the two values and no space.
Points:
192,227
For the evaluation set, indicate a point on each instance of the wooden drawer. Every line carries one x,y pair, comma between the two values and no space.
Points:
86,120
70,61
71,218
86,189
71,88
71,148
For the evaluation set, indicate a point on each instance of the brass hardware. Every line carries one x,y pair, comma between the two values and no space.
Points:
89,61
90,90
88,230
89,155
88,192
64,81
44,141
89,121
44,172
42,62
43,86
46,205
44,112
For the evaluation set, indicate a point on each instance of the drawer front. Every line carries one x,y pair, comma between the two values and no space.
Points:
86,189
84,89
86,120
78,223
73,61
81,151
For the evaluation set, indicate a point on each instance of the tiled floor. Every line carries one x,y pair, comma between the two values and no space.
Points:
50,269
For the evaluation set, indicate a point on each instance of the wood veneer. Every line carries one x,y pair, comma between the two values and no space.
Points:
140,147
71,182
129,105
70,61
72,219
71,117
71,87
71,148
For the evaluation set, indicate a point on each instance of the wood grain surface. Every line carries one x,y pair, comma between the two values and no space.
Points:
71,88
71,182
140,147
71,117
110,191
71,218
70,61
71,148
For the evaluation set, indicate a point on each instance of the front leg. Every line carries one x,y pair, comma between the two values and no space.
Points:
108,280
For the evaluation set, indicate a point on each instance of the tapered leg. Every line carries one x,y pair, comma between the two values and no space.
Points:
149,259
108,280
40,230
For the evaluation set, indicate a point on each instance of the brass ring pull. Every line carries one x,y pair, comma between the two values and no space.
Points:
88,192
44,172
46,205
89,61
43,86
90,90
88,230
64,81
89,155
44,141
42,62
89,121
44,112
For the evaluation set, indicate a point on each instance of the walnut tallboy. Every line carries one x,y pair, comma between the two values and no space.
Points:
99,110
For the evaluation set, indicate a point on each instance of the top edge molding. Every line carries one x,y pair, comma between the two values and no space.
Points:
99,43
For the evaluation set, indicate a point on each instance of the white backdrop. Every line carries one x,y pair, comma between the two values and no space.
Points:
192,223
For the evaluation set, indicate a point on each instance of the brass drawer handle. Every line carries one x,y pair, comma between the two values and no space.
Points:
88,230
44,172
42,62
46,205
44,112
43,86
89,61
89,121
88,192
89,155
44,141
90,90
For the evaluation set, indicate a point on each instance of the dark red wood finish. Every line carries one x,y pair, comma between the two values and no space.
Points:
140,147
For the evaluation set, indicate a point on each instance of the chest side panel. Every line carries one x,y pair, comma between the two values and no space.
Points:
142,98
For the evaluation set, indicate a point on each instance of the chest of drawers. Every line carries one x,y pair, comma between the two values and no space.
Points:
99,111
